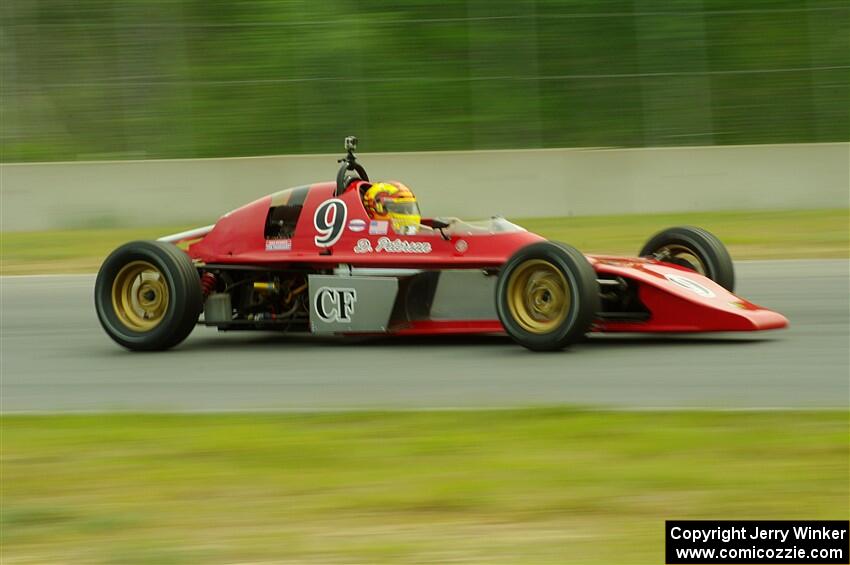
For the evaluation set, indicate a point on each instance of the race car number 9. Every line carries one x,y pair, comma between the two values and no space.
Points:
329,221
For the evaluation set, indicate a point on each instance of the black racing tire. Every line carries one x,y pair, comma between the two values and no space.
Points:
547,296
172,295
713,259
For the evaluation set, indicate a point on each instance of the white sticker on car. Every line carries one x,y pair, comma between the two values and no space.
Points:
690,284
278,245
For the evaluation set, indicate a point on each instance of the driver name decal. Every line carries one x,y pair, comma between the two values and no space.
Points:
387,245
690,284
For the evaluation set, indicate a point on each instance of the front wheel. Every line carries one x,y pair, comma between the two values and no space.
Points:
148,295
547,296
696,249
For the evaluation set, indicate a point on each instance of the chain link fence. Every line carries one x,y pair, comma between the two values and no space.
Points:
118,79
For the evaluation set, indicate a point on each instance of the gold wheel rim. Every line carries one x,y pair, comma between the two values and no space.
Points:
682,253
539,297
140,296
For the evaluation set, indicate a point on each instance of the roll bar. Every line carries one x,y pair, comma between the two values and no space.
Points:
349,163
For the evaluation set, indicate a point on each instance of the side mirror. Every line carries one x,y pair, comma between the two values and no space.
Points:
437,224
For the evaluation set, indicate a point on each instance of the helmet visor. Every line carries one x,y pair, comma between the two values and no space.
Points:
402,208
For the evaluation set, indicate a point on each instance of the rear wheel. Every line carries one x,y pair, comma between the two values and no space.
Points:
547,296
696,249
148,295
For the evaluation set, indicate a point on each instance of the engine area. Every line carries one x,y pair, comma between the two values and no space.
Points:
253,299
282,300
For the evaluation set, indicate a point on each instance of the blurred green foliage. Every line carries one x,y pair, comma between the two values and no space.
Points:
106,79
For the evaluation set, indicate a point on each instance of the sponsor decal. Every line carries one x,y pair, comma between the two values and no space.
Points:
461,246
329,220
387,245
357,225
278,245
690,284
335,304
378,227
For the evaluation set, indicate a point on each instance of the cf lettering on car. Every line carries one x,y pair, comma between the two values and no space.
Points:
335,304
329,221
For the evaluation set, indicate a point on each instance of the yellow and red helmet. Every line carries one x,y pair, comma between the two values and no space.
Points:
395,202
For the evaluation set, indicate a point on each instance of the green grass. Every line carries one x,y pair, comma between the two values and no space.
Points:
525,486
749,235
68,251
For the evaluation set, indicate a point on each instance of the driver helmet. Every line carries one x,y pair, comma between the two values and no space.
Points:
395,202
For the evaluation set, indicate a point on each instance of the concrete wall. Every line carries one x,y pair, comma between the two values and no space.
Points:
551,182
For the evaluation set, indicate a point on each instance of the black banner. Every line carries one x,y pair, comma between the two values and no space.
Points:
757,541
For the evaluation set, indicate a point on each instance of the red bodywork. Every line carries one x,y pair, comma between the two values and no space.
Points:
238,238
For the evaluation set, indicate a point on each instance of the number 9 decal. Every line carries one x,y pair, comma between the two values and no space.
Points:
329,220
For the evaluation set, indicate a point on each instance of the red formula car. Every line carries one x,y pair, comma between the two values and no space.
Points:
355,257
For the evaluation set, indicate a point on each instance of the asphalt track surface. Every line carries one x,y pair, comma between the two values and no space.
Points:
55,357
